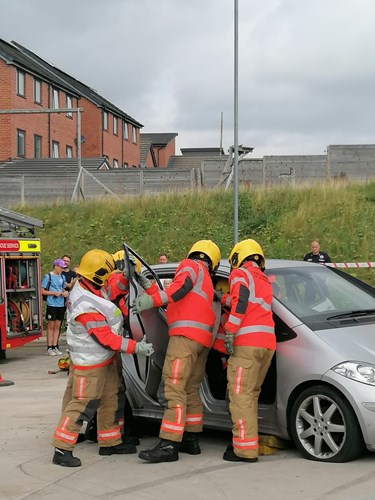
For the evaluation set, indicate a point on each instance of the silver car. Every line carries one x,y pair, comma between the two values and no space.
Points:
320,388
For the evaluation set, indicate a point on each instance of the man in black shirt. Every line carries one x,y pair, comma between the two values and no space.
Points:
69,275
316,255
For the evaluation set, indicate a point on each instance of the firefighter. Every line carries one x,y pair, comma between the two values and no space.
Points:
94,338
191,320
250,341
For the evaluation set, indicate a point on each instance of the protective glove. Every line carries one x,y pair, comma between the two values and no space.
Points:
228,343
142,303
143,281
144,348
218,294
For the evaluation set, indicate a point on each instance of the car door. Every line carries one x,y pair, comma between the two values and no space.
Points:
143,375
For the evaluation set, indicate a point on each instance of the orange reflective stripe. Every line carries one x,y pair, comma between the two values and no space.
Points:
245,444
238,380
63,435
81,384
178,413
171,427
176,366
98,365
241,428
109,434
194,419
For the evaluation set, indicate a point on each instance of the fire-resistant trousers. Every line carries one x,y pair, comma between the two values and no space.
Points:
183,372
87,392
246,371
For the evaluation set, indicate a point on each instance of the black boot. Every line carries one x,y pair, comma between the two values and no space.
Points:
119,449
165,451
190,443
65,458
230,456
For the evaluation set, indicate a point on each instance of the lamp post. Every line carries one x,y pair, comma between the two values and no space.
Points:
235,119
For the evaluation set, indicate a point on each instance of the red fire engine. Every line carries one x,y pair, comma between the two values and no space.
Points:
20,297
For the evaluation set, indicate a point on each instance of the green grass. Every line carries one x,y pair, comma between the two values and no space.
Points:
284,220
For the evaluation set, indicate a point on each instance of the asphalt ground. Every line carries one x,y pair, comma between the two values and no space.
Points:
30,410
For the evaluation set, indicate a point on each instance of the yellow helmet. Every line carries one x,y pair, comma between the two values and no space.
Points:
209,249
96,266
222,285
245,249
119,256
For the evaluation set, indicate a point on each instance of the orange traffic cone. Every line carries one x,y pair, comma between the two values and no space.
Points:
3,382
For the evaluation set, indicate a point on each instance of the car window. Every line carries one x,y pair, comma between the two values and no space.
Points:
312,291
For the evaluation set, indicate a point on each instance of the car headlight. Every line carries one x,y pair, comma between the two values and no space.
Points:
361,372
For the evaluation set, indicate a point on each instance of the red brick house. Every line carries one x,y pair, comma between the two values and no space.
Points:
28,82
157,148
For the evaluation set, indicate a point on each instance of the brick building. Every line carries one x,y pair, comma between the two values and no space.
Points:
29,82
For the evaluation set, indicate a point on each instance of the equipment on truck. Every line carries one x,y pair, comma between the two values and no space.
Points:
20,296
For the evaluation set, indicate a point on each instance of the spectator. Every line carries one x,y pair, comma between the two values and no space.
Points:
163,258
316,255
69,275
53,287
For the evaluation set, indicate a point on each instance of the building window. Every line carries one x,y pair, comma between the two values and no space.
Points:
55,99
126,132
37,91
21,136
69,152
105,120
55,149
37,146
115,163
21,83
134,135
115,130
125,165
69,105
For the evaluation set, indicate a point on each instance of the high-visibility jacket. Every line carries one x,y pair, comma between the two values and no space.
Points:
94,328
117,290
250,318
218,344
189,298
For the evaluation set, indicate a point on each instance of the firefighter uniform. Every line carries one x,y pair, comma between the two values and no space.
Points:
191,320
251,323
94,377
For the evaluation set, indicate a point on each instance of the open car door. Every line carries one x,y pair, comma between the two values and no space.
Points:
143,375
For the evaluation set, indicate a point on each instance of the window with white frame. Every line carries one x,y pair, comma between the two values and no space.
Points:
115,163
105,120
125,165
69,152
55,99
37,146
69,105
37,91
55,149
126,132
21,138
115,126
21,83
134,135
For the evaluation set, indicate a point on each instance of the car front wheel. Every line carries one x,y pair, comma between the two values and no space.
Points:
324,427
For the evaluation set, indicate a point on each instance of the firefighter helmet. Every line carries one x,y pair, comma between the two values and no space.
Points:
246,250
96,266
222,285
64,363
206,248
120,262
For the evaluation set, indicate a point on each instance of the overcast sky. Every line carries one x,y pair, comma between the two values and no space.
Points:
306,67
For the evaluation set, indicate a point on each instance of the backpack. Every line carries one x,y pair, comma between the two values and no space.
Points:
44,297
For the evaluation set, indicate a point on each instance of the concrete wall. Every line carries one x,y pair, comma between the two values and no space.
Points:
344,162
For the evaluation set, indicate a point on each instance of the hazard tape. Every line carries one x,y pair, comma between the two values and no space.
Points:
348,265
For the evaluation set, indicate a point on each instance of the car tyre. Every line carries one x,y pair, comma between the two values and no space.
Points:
324,426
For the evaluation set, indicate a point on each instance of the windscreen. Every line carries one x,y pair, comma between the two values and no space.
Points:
320,291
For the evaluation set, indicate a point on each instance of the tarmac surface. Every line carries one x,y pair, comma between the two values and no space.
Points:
29,413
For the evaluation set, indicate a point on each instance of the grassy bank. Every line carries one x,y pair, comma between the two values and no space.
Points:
284,220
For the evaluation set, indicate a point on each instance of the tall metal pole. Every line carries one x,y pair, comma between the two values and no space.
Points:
235,162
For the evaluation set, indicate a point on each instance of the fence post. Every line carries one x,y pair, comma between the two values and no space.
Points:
22,189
